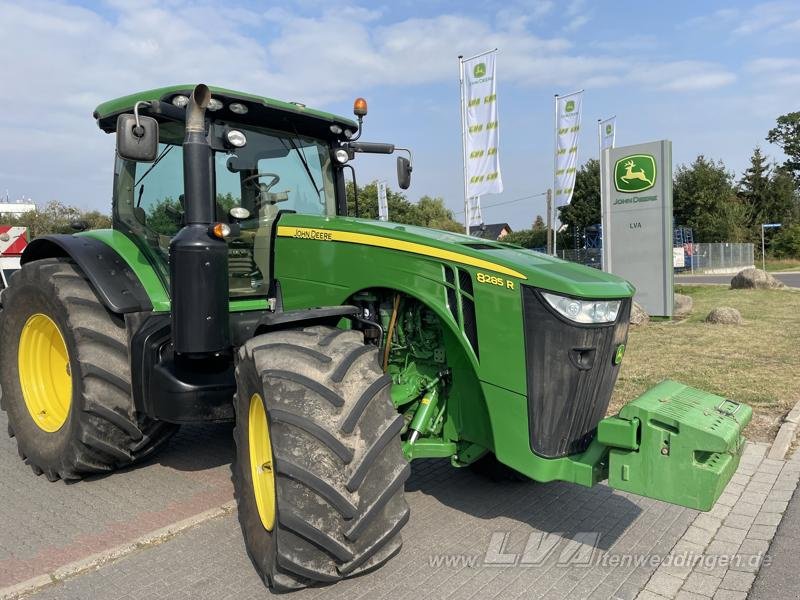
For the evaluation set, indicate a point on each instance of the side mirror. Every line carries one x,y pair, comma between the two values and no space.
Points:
403,172
137,142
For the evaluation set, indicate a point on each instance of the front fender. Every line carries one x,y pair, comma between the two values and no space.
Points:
105,257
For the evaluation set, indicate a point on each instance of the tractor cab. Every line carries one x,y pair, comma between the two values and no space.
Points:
268,157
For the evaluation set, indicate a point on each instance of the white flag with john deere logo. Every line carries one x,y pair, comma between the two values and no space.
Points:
482,132
568,127
608,133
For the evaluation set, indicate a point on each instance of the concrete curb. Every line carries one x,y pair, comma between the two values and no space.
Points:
93,561
727,545
785,434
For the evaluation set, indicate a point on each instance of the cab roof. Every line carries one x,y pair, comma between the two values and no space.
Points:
260,108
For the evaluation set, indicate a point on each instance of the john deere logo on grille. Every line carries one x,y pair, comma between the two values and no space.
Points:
569,106
479,70
635,173
609,129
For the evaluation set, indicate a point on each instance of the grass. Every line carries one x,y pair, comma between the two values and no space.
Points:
785,264
756,362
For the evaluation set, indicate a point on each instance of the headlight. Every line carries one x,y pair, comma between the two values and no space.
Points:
584,311
341,155
236,138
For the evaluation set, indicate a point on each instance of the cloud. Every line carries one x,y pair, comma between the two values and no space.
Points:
781,74
61,60
781,19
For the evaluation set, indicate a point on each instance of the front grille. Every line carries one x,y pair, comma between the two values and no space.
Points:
468,316
570,375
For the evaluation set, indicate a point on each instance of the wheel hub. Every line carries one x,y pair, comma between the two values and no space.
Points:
261,468
44,372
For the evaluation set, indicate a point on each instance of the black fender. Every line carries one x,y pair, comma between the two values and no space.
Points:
115,284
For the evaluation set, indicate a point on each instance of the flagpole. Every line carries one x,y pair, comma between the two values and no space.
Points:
600,141
555,178
463,140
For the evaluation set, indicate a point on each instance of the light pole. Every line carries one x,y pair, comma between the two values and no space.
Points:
763,256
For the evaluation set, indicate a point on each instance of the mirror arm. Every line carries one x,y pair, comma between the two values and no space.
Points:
355,186
138,131
410,157
358,133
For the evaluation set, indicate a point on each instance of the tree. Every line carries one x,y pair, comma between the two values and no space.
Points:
704,199
428,212
584,210
754,186
786,134
768,193
786,243
534,238
56,217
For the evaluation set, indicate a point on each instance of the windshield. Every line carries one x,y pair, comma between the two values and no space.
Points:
274,171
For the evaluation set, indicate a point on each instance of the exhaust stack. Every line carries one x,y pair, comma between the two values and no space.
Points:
198,263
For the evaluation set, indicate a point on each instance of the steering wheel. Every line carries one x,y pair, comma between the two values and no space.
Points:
264,187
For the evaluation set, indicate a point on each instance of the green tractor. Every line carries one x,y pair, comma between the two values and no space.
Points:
235,287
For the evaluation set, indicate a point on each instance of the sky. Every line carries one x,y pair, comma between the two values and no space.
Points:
710,76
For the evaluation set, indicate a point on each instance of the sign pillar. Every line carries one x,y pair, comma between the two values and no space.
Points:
636,209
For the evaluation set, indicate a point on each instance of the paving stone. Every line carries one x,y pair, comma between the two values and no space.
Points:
648,595
780,495
664,584
730,595
734,488
684,595
762,532
728,498
765,518
739,521
774,506
699,536
707,522
745,508
754,497
737,581
769,478
720,511
729,534
701,584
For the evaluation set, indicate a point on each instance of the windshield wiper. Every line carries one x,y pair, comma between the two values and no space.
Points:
304,161
164,152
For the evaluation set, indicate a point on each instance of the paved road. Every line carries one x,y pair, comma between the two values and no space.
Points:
778,578
467,538
790,279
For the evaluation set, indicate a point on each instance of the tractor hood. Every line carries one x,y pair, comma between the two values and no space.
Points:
532,268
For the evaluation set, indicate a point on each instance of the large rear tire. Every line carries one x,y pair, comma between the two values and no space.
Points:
65,375
320,492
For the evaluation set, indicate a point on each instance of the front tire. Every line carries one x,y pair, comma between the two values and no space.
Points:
334,468
65,375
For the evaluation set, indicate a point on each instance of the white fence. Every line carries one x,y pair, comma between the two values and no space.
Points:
718,258
697,258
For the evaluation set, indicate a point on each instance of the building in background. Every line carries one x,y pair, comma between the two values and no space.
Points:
492,231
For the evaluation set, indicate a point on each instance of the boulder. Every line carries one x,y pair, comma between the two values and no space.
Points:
639,315
683,305
724,315
754,278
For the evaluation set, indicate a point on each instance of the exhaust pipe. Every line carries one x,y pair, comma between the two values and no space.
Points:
198,262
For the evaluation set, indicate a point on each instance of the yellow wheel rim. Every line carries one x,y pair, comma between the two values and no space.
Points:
44,372
261,462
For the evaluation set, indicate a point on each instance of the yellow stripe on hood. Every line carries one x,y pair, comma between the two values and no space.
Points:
332,235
